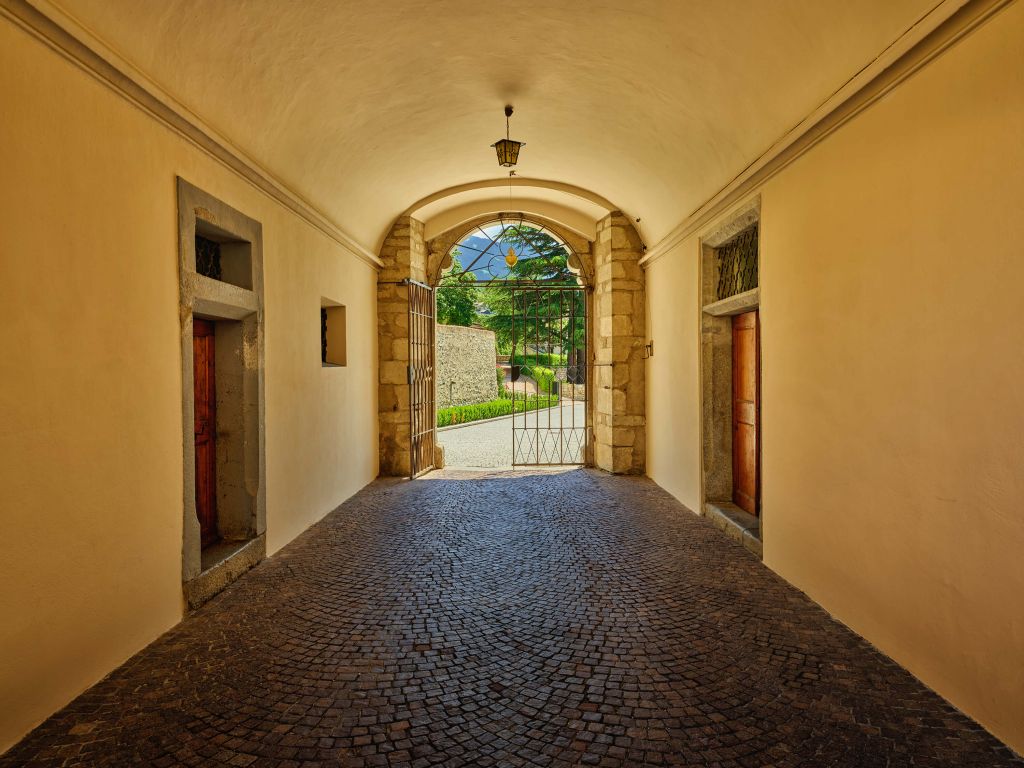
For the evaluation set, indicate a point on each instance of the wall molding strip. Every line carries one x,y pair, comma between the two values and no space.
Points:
62,34
940,29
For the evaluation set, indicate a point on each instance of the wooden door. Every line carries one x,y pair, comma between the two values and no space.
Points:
746,407
205,428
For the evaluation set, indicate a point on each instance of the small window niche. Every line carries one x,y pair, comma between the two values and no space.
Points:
220,256
333,346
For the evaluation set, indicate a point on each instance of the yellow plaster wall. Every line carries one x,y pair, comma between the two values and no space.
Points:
893,355
673,373
90,377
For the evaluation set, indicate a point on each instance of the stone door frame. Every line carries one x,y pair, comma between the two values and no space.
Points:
236,308
716,360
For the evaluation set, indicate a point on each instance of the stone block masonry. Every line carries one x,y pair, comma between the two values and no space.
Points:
465,364
404,257
620,436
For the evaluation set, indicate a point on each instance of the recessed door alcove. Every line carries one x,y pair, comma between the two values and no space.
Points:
221,302
730,423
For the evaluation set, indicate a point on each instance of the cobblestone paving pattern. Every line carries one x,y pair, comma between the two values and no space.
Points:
547,619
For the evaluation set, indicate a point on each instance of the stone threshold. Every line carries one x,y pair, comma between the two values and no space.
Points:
519,468
738,525
222,564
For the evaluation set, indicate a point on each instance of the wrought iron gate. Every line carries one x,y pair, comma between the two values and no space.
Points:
422,415
549,375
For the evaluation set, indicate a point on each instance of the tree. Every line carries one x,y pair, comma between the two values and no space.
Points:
456,300
536,317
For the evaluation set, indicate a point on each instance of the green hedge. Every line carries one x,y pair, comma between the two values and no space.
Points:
462,414
539,367
545,377
538,358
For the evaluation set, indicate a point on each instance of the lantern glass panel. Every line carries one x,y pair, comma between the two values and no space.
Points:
507,151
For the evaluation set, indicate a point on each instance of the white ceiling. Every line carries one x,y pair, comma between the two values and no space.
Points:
365,108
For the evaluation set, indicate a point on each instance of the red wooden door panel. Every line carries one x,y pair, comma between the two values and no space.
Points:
746,395
205,428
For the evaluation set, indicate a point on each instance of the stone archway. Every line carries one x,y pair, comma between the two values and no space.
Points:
439,246
618,329
537,311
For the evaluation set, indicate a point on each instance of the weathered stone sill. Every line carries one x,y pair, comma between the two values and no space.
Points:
222,565
738,525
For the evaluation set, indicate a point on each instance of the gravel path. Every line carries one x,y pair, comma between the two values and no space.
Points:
490,444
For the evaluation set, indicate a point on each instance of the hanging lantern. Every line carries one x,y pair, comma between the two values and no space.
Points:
507,149
510,257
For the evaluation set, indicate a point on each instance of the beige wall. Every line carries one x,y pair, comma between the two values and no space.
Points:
673,373
90,377
893,411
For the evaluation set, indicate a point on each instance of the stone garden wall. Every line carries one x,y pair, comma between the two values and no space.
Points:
465,365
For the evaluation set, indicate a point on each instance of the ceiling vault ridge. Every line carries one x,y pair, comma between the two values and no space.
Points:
935,32
65,35
516,181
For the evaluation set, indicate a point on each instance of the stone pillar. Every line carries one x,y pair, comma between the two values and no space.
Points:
404,255
619,332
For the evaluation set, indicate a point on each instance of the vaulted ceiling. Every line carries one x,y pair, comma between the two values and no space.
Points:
371,108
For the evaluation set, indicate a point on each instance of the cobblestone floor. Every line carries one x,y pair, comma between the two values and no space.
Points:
552,619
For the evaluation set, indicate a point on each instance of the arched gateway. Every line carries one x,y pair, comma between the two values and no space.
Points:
519,279
568,317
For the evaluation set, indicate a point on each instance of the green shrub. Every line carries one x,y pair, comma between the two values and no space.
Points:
540,367
462,414
539,358
545,378
500,374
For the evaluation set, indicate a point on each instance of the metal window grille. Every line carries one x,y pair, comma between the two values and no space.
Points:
737,264
323,334
208,257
